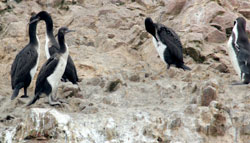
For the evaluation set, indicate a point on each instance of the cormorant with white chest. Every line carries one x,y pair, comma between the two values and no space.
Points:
25,64
52,47
239,50
52,71
167,44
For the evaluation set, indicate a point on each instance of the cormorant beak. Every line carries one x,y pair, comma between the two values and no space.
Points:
66,32
70,31
34,20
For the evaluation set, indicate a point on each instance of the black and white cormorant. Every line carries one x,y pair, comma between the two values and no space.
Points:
167,44
52,46
239,50
25,64
51,72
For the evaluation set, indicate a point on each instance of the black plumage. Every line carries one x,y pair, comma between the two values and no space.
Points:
70,71
52,71
169,41
26,60
239,45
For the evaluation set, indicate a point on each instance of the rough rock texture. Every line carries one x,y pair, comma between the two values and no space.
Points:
126,94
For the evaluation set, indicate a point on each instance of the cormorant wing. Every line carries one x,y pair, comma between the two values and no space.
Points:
53,49
46,70
23,63
172,40
244,60
70,71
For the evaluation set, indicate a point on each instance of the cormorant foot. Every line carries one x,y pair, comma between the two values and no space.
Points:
24,96
239,83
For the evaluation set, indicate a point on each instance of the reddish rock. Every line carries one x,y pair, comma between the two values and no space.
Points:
233,2
209,94
225,20
212,10
222,68
147,3
216,36
243,5
230,4
245,13
174,6
217,127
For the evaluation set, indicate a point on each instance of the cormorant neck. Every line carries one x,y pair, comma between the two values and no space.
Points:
244,37
32,33
49,28
62,44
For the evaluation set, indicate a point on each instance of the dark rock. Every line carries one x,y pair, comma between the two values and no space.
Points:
111,36
8,117
229,31
222,68
134,78
194,53
209,94
113,85
175,124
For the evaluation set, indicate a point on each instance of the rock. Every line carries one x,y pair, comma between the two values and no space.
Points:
225,21
245,130
52,3
213,82
118,2
245,13
70,90
215,36
244,4
111,36
209,94
2,6
126,94
48,123
94,81
174,7
212,10
191,109
134,78
193,45
175,124
195,53
113,85
146,3
222,68
218,128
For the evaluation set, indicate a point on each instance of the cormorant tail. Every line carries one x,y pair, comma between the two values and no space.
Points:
36,97
16,90
15,93
184,67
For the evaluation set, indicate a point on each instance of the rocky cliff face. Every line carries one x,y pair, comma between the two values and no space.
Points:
126,94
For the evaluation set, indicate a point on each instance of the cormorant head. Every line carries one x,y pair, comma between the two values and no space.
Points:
42,15
33,19
150,26
63,31
241,23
